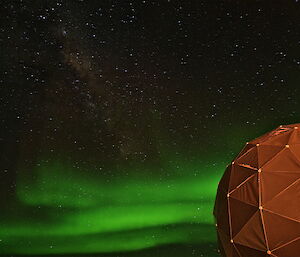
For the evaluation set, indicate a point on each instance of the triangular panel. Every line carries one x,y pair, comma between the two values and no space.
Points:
248,191
287,203
240,213
283,161
279,230
249,158
267,152
239,175
273,183
252,234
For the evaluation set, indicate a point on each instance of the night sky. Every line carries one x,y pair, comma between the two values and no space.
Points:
118,118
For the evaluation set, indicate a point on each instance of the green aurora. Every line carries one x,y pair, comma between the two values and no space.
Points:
64,212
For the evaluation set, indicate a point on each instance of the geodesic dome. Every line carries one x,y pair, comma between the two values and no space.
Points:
257,207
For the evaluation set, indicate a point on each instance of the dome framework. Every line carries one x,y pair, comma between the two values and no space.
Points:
257,207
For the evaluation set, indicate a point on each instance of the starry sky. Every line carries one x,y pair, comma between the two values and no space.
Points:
118,118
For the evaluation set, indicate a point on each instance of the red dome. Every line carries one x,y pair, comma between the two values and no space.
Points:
257,207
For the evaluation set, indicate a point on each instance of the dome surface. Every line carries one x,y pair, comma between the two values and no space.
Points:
257,207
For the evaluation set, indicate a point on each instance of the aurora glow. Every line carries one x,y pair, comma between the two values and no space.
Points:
107,217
